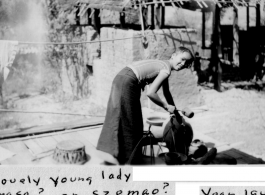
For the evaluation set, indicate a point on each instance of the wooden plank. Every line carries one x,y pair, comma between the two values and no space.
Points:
43,145
52,128
7,161
58,138
33,146
40,144
23,156
44,135
92,135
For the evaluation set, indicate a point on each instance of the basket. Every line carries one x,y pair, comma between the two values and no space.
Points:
70,152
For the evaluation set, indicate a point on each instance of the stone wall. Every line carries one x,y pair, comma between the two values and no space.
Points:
161,44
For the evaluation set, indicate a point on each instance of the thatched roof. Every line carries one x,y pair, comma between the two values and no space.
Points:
115,5
132,5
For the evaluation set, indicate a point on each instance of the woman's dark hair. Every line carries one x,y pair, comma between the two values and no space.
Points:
184,49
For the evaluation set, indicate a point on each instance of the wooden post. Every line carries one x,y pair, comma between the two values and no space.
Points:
235,37
145,13
162,16
122,20
97,20
152,16
203,29
247,17
77,16
216,49
257,15
89,19
159,17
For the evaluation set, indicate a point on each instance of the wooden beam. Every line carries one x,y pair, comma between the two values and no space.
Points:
97,22
92,13
181,2
173,4
163,3
77,16
178,4
205,5
89,19
144,4
83,9
156,4
199,4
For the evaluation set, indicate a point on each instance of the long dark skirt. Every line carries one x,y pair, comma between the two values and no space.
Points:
123,126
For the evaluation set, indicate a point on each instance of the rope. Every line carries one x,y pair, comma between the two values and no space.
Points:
72,43
41,112
83,42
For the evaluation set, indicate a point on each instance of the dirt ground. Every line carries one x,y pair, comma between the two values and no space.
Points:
235,116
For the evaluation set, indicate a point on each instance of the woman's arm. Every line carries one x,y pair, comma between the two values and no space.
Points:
162,79
167,93
170,100
155,86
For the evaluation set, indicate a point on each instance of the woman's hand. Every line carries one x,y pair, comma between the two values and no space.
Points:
171,109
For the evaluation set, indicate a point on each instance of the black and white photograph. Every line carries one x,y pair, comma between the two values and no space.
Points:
132,83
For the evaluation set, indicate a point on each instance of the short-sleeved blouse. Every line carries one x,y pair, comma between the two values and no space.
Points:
147,70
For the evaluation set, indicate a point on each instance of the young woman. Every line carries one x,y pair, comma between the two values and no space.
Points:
123,126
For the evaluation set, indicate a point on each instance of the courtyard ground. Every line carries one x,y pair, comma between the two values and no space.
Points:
235,116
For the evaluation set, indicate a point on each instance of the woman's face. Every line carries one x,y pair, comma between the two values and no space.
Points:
179,60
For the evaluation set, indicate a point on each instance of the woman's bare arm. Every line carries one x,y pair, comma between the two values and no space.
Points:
167,93
155,86
170,100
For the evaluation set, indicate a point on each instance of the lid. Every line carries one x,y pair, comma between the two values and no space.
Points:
70,145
